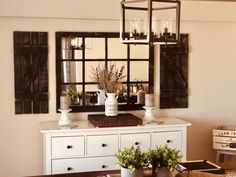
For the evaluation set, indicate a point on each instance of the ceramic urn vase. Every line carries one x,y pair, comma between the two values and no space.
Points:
111,105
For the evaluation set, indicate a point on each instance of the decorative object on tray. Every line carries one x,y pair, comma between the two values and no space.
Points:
109,79
111,105
124,119
132,161
162,160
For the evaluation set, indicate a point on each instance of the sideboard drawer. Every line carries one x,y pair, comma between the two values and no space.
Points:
173,139
102,144
67,146
135,139
83,164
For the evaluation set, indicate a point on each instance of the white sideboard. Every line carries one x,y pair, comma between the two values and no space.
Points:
87,148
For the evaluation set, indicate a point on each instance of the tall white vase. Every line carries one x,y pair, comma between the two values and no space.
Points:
111,105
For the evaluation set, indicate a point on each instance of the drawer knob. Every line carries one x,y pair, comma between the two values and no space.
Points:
169,141
104,145
104,166
69,168
69,147
137,143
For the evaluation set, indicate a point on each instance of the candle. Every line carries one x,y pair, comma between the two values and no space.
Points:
64,102
148,100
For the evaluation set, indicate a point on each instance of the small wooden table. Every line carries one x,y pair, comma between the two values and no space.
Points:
227,166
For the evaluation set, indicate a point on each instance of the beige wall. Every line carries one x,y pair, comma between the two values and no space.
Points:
212,78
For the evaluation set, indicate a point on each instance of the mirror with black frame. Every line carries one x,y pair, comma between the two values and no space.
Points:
78,53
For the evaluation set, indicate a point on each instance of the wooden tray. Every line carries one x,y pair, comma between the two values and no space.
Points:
127,119
199,165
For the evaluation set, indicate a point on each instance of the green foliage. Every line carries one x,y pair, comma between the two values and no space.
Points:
108,78
71,93
163,156
131,158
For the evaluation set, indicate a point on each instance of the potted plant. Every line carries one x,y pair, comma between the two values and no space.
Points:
131,160
109,80
162,160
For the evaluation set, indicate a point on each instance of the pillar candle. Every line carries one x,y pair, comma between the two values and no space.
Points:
148,100
64,102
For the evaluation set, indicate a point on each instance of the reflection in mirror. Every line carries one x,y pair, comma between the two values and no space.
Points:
88,69
78,52
119,64
95,48
71,48
74,92
116,49
139,51
71,71
136,67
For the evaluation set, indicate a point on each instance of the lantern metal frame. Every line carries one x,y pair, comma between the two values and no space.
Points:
150,38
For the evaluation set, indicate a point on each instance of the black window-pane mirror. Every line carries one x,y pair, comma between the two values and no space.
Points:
78,52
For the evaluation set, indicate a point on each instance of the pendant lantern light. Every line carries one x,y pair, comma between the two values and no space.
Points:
150,21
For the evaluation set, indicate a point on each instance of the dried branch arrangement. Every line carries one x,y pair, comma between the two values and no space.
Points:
108,78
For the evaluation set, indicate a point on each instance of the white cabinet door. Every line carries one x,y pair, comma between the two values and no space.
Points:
172,138
67,146
102,144
135,139
83,164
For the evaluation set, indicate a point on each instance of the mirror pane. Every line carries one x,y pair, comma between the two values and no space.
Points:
116,49
89,65
139,70
122,94
78,54
137,93
91,88
139,52
74,92
118,65
71,71
71,48
94,48
91,94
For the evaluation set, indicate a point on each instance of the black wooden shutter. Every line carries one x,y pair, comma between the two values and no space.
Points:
31,72
174,74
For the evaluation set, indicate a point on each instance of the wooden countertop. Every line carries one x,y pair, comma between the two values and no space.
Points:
84,174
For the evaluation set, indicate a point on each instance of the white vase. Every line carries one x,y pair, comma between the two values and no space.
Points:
111,105
131,173
101,97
